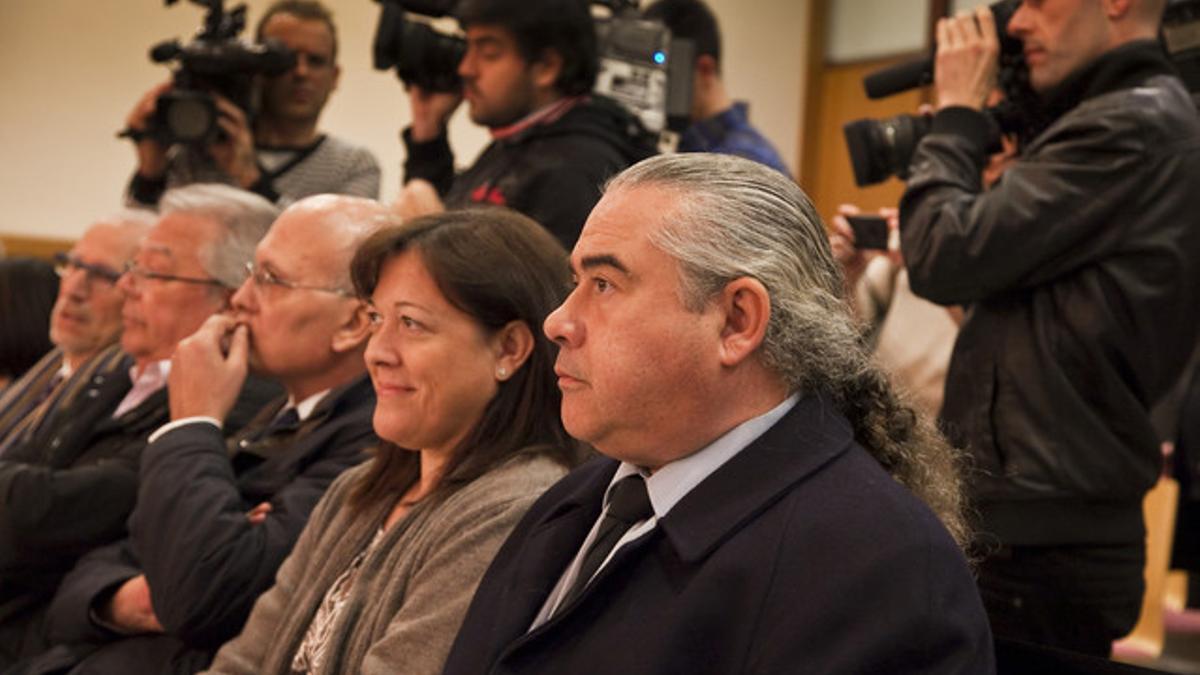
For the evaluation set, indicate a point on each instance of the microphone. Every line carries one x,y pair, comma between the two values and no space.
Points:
898,78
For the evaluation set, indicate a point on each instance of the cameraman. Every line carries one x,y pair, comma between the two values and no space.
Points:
718,123
279,154
1079,272
527,74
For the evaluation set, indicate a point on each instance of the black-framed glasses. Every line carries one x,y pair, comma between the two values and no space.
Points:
65,264
137,271
264,277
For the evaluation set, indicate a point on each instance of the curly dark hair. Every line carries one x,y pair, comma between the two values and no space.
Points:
564,26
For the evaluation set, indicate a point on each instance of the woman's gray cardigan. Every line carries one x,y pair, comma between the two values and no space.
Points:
412,591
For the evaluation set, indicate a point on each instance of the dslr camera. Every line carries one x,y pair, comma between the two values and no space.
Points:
641,66
214,62
883,148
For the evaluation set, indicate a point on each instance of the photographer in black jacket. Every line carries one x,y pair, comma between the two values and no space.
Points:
1079,272
527,74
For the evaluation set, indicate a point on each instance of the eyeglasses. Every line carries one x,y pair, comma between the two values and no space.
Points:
139,272
264,277
65,264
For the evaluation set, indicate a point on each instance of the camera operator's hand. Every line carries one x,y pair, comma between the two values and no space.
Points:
853,259
431,112
234,154
151,155
967,59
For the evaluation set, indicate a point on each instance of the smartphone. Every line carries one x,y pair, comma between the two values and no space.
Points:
870,232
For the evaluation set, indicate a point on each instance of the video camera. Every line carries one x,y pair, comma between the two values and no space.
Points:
214,62
1181,37
641,65
883,148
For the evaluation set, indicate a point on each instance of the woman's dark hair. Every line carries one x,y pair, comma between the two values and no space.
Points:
497,266
28,288
566,26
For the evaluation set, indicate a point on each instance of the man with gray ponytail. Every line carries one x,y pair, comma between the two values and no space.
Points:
766,503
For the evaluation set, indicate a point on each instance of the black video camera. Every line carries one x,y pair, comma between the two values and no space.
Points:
883,148
1181,38
215,62
641,65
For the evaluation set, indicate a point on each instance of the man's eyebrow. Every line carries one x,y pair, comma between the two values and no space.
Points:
603,260
484,41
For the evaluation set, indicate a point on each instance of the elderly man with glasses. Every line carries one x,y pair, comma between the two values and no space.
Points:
197,559
68,479
86,317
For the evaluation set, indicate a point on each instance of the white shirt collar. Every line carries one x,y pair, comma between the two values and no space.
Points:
673,481
305,408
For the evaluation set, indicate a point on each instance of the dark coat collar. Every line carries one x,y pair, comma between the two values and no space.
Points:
1124,67
811,434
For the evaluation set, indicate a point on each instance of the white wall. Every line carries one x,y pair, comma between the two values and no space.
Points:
867,29
70,70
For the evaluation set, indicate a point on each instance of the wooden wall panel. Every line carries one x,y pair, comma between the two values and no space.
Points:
18,246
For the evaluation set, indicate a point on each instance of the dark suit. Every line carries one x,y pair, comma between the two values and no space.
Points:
799,555
205,563
69,488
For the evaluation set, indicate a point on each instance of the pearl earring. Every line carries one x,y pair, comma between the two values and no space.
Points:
502,372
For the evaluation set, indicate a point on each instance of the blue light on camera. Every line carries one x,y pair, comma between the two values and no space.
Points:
660,58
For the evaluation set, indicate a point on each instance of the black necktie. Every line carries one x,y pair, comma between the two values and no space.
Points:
284,422
628,503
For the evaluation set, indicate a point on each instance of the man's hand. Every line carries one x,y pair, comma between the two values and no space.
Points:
853,259
417,198
151,155
431,112
258,514
205,377
130,608
968,53
234,154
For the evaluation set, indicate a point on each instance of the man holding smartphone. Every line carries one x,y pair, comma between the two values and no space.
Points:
1077,268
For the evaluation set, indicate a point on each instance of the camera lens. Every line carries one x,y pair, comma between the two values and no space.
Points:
188,116
883,148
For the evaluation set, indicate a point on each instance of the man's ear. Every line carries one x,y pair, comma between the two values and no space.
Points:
745,306
511,346
546,69
354,331
706,66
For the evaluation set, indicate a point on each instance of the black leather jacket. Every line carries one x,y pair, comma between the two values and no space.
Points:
1080,270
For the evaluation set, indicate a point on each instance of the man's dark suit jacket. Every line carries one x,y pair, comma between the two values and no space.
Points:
205,563
799,555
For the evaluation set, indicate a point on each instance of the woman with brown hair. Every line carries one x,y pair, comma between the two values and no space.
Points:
468,407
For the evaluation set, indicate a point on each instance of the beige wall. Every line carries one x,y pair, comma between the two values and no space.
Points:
70,70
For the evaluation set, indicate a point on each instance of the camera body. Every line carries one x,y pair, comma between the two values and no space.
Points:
1181,37
641,66
214,62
